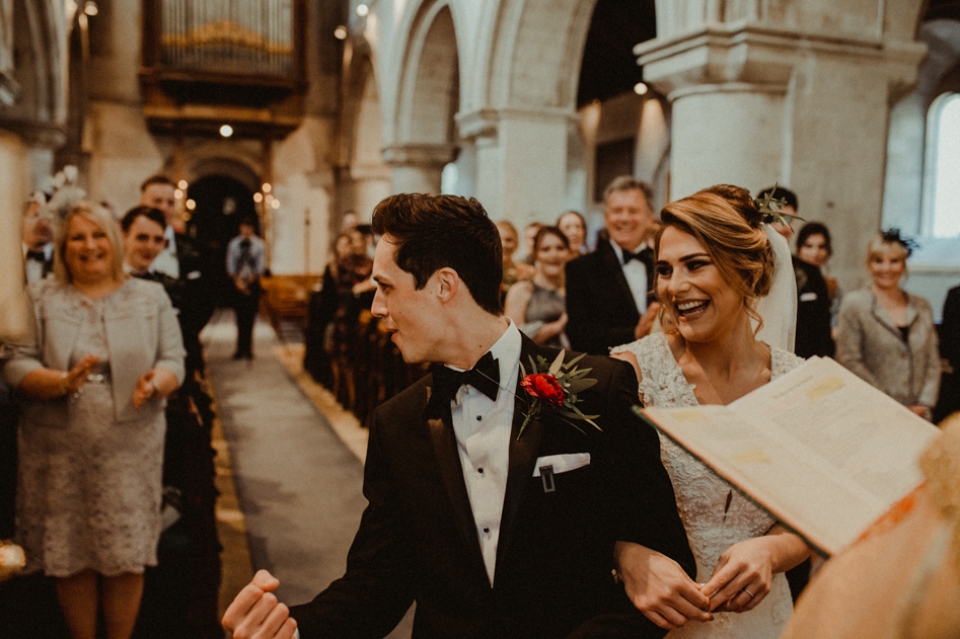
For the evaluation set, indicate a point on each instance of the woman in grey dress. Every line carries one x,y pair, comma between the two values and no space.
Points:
538,306
104,352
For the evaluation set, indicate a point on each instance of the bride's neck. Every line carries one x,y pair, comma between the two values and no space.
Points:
734,350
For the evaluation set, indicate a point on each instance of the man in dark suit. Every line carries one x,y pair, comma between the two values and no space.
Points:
950,355
37,240
610,291
494,535
182,261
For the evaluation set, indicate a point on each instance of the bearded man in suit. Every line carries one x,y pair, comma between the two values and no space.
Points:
610,291
492,532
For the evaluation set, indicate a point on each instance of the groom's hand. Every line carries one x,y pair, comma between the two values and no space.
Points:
659,587
255,612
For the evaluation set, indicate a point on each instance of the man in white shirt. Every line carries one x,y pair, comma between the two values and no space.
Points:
610,291
37,240
493,529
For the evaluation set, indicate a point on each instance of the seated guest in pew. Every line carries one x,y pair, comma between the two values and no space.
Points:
493,532
538,306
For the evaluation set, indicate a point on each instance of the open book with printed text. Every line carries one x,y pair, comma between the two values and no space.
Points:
821,450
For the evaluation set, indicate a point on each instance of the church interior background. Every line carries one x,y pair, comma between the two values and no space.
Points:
302,110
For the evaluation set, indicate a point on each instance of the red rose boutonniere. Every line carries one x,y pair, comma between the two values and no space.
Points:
555,387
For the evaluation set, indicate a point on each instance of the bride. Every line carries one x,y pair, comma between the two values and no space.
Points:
714,261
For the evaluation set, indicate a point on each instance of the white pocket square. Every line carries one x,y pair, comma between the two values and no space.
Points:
562,463
808,297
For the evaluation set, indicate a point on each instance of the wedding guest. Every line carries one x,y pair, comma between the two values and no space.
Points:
94,374
182,260
512,272
461,518
813,335
815,247
246,262
37,240
575,228
142,228
538,306
529,235
714,261
609,292
949,401
886,335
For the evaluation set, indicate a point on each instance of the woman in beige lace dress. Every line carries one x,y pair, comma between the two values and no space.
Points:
714,262
104,353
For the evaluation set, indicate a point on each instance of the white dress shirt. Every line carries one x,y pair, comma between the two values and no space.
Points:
166,262
636,273
33,269
482,427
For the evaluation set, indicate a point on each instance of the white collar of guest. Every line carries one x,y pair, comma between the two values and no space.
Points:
619,251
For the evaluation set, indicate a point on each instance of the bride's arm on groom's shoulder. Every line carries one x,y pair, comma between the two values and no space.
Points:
255,611
744,572
659,587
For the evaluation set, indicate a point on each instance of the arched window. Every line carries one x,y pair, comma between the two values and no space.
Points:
942,217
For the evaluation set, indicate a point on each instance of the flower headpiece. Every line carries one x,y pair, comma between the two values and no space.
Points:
66,195
771,209
892,236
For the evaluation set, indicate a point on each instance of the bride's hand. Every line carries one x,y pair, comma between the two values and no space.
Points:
742,577
659,587
744,572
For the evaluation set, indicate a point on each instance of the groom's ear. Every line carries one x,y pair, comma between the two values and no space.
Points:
447,283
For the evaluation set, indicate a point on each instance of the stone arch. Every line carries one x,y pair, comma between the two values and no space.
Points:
430,83
364,178
39,42
230,160
533,57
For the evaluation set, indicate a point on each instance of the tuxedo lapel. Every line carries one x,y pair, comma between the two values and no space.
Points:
611,265
523,454
445,448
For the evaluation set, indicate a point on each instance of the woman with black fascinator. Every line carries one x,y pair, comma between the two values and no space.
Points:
886,335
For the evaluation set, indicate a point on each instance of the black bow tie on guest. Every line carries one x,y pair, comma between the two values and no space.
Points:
644,255
484,376
38,256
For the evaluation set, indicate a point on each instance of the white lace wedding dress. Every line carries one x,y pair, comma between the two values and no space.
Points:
714,515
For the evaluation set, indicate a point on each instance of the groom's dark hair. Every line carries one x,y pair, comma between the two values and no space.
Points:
436,231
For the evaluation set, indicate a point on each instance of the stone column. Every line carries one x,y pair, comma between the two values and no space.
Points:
416,168
521,163
13,186
754,104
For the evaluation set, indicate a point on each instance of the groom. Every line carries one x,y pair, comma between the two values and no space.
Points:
492,534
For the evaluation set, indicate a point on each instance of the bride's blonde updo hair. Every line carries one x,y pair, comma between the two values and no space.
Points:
726,221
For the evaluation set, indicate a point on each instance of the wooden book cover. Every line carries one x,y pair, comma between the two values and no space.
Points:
821,450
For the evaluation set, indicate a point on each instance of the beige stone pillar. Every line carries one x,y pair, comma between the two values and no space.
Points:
521,161
754,104
13,186
416,168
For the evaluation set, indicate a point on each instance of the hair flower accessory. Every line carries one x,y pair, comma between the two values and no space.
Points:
771,209
555,386
892,236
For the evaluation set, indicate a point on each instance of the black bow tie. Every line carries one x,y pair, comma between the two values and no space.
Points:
38,256
484,376
644,256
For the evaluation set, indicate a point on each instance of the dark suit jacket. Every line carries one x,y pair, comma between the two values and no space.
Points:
418,542
950,350
813,312
600,308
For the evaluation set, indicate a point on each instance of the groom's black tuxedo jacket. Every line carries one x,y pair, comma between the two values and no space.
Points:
418,542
